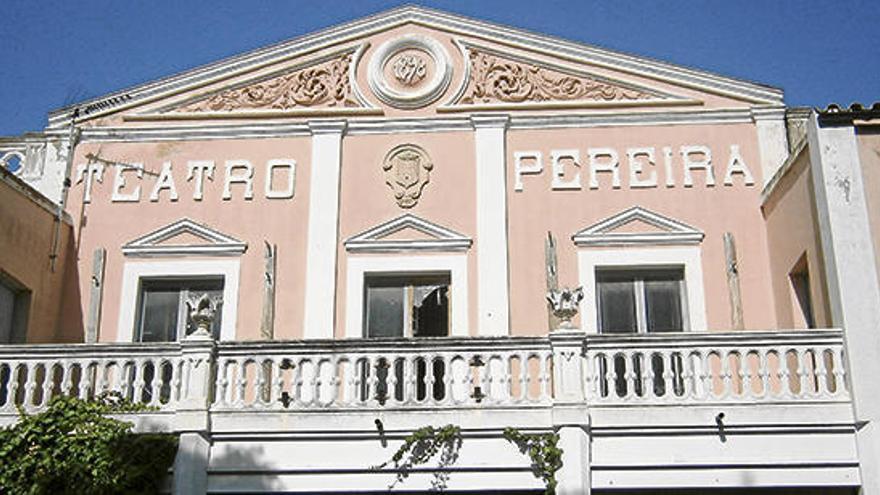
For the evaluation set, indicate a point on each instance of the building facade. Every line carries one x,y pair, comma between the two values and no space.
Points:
382,226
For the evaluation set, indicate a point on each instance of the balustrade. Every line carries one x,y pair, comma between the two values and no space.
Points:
686,368
31,375
364,374
706,368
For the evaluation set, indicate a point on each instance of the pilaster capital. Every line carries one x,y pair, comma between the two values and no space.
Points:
490,121
768,113
317,127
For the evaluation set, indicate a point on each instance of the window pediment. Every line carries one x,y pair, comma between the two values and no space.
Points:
184,237
637,226
408,233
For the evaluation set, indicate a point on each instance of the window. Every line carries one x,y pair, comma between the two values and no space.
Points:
406,306
163,315
15,302
641,301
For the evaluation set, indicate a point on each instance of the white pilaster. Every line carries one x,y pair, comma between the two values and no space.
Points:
853,287
493,295
326,165
772,140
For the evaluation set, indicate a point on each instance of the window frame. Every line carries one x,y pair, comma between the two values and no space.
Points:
359,268
638,276
182,296
135,272
591,260
21,308
408,284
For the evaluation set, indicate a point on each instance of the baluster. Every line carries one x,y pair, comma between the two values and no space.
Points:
821,373
743,374
802,372
544,377
159,367
787,389
430,380
668,375
764,374
66,378
841,387
688,376
261,383
237,385
629,376
410,368
706,385
524,382
138,381
647,375
223,383
176,381
15,369
48,379
279,397
30,385
727,385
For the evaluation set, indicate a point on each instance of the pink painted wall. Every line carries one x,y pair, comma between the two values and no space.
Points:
449,199
102,223
714,210
793,233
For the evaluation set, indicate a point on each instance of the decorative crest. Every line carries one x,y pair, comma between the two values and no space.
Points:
407,168
564,303
202,311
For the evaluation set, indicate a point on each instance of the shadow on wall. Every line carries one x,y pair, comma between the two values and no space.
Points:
69,326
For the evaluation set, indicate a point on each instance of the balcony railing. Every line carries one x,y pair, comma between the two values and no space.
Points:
601,370
706,368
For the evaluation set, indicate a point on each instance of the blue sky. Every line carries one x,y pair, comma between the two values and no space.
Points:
58,52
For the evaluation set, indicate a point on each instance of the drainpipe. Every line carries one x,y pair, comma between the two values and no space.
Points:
72,138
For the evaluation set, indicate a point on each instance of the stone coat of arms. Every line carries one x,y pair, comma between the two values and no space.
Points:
407,168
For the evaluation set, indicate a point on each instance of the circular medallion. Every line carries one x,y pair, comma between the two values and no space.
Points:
410,71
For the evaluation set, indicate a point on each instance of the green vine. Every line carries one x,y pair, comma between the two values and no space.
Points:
420,447
73,447
543,450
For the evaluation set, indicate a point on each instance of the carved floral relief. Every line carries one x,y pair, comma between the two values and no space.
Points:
407,170
322,85
497,80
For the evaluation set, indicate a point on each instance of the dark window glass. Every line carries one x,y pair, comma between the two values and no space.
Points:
617,304
416,306
631,301
163,313
663,302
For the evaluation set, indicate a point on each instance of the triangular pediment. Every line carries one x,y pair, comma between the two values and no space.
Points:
408,233
184,237
636,226
329,73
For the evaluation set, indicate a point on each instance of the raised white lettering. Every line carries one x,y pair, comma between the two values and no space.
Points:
119,183
610,165
520,169
688,164
198,170
557,162
635,167
246,178
165,181
87,174
736,165
280,163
